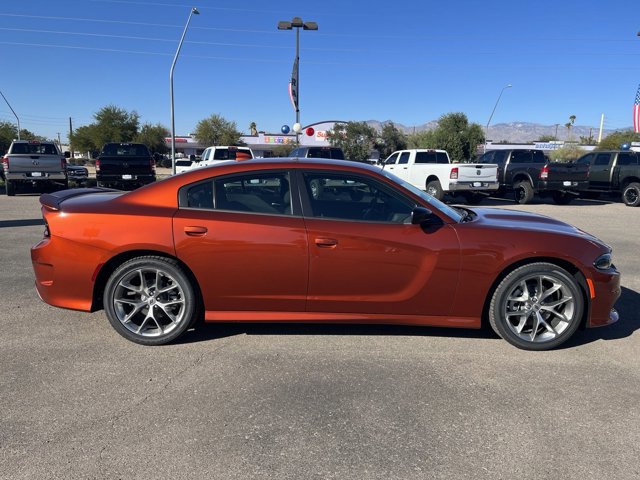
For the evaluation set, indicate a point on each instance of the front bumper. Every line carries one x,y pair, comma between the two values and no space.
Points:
604,291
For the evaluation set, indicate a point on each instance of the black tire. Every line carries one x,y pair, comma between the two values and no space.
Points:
132,292
631,195
562,198
523,192
544,322
434,189
10,188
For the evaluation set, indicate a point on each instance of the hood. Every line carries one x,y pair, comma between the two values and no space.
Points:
525,221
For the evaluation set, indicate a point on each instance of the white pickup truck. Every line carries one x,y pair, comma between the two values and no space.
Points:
432,171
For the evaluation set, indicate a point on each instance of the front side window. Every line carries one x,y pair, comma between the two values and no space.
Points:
499,157
538,157
404,158
353,197
254,192
392,159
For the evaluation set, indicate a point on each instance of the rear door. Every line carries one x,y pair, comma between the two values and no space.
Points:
245,242
366,258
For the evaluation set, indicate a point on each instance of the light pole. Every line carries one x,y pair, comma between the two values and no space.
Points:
494,111
195,11
294,87
14,113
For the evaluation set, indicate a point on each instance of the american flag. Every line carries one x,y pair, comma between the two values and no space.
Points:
636,112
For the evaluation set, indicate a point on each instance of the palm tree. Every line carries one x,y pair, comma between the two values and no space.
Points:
253,128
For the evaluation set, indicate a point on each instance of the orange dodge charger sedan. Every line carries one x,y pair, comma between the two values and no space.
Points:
293,240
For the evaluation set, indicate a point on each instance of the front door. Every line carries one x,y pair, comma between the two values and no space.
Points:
365,255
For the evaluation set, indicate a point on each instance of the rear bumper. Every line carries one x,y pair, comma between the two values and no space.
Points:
125,178
477,186
564,185
34,177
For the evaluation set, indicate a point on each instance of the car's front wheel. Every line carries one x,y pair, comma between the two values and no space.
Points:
149,300
536,307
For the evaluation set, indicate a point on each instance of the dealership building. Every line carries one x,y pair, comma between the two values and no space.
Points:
263,144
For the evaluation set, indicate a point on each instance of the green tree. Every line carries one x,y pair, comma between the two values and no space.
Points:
547,138
454,134
8,132
390,140
153,136
614,140
356,139
567,153
112,124
216,130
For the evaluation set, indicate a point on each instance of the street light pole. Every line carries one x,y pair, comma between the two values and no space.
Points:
494,111
195,11
14,113
297,23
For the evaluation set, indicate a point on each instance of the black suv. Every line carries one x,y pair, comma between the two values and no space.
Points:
318,152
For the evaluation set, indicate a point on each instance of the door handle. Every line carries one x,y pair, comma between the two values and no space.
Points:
195,231
324,242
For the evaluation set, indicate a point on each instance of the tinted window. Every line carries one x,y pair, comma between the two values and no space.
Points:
252,192
442,157
602,159
125,150
627,158
499,157
585,159
336,154
426,157
521,156
351,197
392,159
34,149
404,158
538,157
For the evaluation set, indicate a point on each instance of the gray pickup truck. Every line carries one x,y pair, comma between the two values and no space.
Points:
613,172
34,163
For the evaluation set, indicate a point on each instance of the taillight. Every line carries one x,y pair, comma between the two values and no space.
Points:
5,162
63,163
97,165
454,173
47,233
544,173
152,163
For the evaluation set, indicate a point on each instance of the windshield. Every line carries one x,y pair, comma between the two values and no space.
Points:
443,207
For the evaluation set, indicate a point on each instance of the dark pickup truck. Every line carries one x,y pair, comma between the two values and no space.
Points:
613,171
125,165
525,172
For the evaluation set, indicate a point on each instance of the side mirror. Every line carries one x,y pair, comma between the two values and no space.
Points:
424,217
67,154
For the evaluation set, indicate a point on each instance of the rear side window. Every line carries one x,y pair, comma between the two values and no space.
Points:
319,153
585,159
336,154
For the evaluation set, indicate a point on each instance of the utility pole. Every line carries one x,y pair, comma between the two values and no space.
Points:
556,135
70,134
601,126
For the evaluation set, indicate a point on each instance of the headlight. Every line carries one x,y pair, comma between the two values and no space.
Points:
603,262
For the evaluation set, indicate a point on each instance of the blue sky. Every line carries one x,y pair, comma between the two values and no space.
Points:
407,61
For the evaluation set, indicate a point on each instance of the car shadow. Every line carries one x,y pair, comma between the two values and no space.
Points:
30,222
214,331
502,201
627,305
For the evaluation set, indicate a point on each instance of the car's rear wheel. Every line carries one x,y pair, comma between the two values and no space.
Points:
536,307
434,189
523,192
149,300
631,195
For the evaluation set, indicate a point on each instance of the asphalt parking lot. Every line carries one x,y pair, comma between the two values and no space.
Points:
315,402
